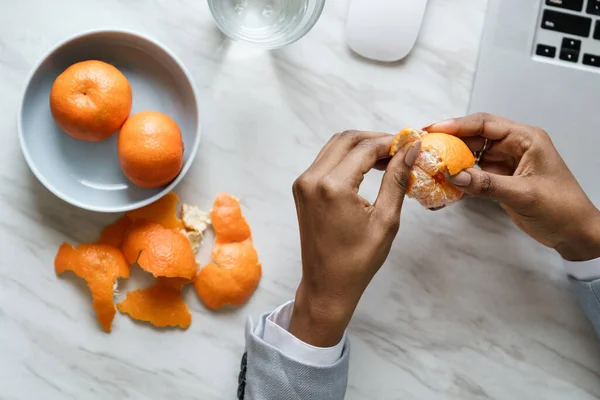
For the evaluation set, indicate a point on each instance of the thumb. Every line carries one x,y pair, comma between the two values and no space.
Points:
395,181
505,189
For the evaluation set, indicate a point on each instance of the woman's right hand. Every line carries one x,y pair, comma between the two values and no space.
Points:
523,171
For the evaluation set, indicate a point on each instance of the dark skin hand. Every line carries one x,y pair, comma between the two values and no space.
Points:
345,239
524,172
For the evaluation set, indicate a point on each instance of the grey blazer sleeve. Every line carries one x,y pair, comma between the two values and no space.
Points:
268,374
588,294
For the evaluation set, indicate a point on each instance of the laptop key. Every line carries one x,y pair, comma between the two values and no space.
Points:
591,60
569,51
593,7
545,51
597,30
575,5
566,23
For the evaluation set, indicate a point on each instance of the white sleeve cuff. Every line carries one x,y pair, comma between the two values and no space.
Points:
276,334
583,270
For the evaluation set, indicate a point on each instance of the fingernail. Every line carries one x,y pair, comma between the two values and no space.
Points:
438,125
412,153
462,179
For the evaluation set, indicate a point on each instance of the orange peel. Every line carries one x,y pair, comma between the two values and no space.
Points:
441,155
99,265
228,223
161,305
114,234
160,251
236,270
162,211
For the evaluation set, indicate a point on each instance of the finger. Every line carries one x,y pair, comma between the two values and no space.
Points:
481,124
505,189
336,151
361,159
494,151
475,143
324,149
498,168
381,165
395,183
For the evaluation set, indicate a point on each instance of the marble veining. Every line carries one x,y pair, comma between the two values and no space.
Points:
466,307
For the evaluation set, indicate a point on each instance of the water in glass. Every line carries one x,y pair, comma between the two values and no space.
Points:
270,23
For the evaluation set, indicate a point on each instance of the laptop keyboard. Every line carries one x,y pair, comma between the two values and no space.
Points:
569,32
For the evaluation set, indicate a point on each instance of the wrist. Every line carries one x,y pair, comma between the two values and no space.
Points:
320,322
585,245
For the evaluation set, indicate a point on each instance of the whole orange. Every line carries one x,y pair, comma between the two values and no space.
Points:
150,149
90,100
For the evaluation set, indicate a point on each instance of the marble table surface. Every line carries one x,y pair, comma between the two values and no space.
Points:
466,307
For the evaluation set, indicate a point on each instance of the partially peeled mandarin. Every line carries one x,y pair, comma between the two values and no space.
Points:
441,155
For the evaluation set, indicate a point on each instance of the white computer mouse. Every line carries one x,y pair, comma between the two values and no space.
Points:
384,30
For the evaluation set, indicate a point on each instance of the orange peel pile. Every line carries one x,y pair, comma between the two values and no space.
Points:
441,155
99,265
235,271
161,305
165,246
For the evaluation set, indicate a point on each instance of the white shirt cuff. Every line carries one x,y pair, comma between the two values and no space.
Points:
276,334
583,270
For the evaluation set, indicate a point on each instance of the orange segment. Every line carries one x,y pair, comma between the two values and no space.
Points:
115,233
162,211
99,265
160,251
236,271
161,305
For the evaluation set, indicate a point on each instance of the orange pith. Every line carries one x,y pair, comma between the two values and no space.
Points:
236,270
99,265
90,100
440,154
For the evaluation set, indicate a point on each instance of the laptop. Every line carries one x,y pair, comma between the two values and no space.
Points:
539,64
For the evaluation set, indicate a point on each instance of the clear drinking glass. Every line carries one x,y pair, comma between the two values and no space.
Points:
266,23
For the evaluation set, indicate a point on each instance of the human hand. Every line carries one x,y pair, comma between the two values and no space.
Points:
522,170
344,238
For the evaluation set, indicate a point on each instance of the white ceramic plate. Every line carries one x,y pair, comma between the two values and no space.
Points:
88,174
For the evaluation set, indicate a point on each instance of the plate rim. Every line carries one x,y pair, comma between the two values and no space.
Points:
75,202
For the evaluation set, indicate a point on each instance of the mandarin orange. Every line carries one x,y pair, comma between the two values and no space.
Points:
90,100
150,149
441,155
